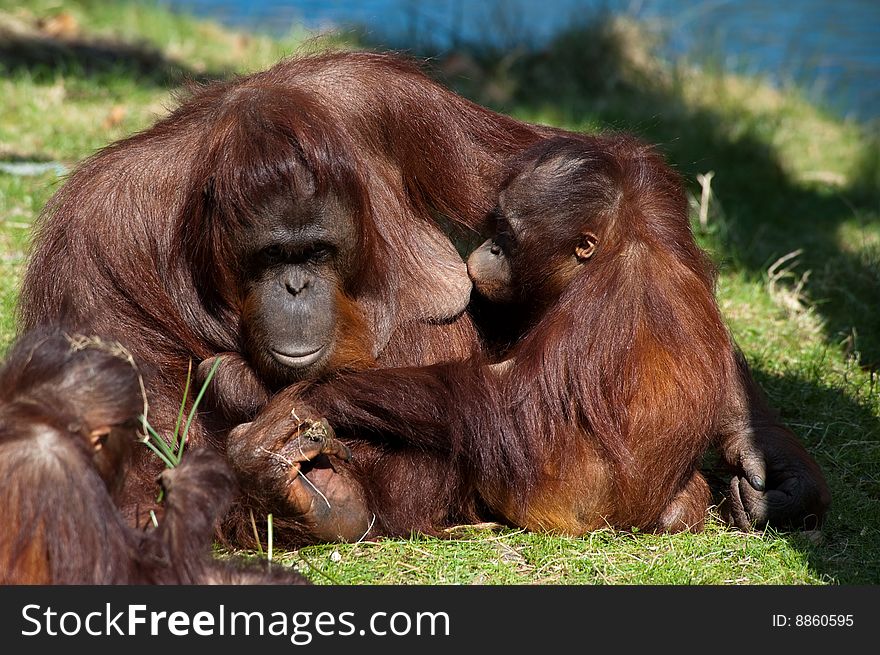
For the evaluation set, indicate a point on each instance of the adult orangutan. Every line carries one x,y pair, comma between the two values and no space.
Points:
288,221
288,216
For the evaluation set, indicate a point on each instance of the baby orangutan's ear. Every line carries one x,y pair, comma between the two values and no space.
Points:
98,437
586,246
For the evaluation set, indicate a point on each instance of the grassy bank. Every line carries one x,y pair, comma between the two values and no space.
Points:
793,224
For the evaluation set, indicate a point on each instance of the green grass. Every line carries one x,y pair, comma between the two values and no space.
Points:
475,556
789,176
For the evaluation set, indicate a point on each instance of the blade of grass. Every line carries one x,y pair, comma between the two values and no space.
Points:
269,529
156,442
174,440
256,534
159,454
192,412
320,571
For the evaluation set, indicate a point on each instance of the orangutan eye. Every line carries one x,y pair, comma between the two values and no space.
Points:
273,254
501,243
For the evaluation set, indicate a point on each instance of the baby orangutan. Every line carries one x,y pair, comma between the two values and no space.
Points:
69,411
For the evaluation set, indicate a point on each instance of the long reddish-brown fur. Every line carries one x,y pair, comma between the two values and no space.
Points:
68,423
129,248
136,245
615,390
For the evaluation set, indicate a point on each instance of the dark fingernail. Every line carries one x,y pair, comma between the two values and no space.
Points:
757,482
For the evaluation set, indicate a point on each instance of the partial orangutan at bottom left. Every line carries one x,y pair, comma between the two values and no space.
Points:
69,411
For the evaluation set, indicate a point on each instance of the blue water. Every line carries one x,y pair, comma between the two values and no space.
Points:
830,48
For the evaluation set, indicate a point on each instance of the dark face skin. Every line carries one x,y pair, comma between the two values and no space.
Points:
295,260
489,269
534,231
